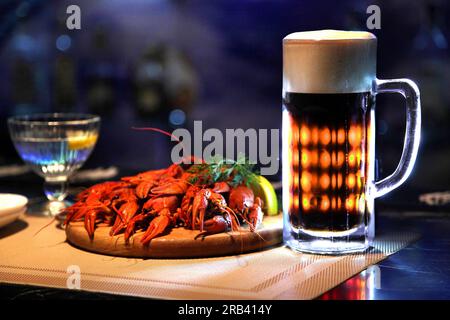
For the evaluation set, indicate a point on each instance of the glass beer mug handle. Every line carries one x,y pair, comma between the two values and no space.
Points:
408,89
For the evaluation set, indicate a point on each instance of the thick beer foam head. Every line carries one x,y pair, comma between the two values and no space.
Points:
329,61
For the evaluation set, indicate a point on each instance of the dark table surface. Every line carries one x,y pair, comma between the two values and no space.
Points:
420,271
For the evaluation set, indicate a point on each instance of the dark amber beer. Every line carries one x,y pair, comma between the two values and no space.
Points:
328,139
329,88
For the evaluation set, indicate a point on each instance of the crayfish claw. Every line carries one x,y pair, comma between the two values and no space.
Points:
156,227
130,227
174,187
256,214
116,228
221,187
143,189
89,223
216,224
199,206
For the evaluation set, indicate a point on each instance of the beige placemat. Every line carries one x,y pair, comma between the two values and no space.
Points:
45,259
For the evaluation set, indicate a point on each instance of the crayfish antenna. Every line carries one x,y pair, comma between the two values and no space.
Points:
45,226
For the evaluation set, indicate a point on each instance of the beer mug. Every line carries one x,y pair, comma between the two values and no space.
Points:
329,91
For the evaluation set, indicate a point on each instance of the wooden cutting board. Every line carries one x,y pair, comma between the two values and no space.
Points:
179,242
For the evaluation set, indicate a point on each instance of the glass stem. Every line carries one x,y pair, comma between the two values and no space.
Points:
55,190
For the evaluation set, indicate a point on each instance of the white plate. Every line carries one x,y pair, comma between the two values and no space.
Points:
10,203
11,217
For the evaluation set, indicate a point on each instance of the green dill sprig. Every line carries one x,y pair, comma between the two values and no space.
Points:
218,169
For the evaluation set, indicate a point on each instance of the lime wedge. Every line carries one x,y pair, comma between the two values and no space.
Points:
263,188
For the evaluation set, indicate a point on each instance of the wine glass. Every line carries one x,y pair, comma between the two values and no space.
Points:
54,146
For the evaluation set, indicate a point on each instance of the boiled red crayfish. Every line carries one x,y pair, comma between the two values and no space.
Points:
156,200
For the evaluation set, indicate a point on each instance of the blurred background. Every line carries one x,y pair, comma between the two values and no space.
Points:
166,63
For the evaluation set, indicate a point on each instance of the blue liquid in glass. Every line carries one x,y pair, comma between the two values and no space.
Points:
52,157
